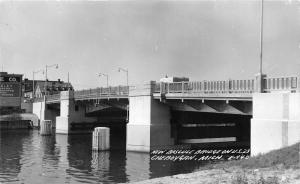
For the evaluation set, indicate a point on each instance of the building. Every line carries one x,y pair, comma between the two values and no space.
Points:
40,87
174,79
10,92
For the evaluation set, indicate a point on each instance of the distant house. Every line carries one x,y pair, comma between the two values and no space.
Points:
174,79
42,87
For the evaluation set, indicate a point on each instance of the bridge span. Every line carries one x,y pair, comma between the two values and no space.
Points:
156,115
213,90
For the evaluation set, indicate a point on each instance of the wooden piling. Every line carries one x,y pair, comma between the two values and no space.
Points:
46,127
101,138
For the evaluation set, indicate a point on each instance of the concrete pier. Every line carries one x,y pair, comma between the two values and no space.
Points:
69,114
66,107
149,121
101,139
46,127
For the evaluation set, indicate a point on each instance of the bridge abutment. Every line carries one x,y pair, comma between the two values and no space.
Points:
149,121
276,121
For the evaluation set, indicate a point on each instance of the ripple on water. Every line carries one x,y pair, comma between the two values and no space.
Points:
27,157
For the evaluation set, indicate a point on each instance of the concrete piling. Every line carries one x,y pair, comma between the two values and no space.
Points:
46,127
101,138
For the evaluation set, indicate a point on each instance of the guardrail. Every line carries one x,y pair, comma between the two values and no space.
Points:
280,84
102,92
228,86
206,87
110,92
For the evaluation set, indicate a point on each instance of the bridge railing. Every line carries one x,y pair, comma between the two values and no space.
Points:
102,92
228,86
206,87
281,84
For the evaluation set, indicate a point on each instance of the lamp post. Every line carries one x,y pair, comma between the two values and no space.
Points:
34,72
48,66
105,75
124,70
261,36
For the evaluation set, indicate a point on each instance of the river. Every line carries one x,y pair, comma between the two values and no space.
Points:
27,157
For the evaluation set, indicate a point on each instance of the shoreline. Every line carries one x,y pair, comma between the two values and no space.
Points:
275,167
277,174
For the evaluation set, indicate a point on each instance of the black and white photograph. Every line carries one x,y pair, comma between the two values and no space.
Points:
150,91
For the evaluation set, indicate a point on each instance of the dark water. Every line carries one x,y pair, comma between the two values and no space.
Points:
27,157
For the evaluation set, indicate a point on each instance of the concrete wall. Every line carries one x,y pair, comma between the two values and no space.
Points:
276,121
38,108
69,115
66,105
149,122
43,113
79,115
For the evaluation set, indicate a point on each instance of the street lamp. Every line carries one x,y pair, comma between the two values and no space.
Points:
34,72
48,66
105,75
124,70
261,36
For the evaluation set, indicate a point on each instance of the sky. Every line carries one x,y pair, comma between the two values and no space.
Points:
202,40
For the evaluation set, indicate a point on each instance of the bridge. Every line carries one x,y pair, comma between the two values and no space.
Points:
157,114
218,90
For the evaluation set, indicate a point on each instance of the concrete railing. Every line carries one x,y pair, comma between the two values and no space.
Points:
228,86
110,92
280,84
102,92
206,87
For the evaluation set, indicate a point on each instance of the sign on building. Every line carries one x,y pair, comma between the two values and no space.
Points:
10,89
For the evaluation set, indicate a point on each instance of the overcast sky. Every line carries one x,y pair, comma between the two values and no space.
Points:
202,40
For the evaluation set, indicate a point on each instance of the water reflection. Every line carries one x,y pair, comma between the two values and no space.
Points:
27,157
137,166
9,157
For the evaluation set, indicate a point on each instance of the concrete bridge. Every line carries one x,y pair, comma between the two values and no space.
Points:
263,112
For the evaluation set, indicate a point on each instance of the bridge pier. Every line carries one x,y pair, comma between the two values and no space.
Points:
149,121
67,104
69,113
42,112
276,121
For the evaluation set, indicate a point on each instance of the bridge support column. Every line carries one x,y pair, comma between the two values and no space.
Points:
67,106
39,108
42,112
149,121
276,121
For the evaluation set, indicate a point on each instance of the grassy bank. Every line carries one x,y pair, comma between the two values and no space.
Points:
286,157
276,167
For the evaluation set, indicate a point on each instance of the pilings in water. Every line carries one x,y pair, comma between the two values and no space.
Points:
101,138
46,127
